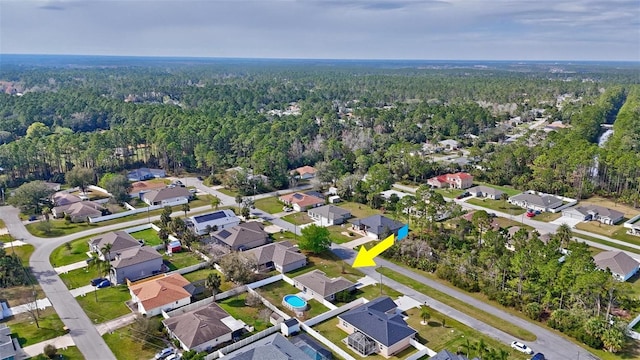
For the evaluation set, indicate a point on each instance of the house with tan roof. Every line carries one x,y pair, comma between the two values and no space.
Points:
135,263
79,211
301,201
621,265
317,285
282,256
305,172
242,236
163,293
170,196
203,328
138,188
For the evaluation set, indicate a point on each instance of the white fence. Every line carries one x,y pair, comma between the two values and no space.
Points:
98,188
326,342
335,312
139,228
124,213
630,332
244,342
263,282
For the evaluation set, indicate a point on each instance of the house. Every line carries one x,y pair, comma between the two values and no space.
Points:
469,217
377,226
174,247
138,188
317,285
449,144
203,328
301,201
119,240
169,196
9,347
621,265
79,211
534,201
594,213
329,215
135,263
282,256
52,185
64,198
272,347
217,220
460,180
142,174
242,236
486,192
305,172
387,194
164,293
448,355
376,327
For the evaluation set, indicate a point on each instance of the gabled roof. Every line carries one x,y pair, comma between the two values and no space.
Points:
161,291
461,175
166,193
119,240
378,223
198,326
599,210
64,198
317,281
134,256
216,215
82,209
303,200
305,170
535,199
378,320
486,190
281,253
274,347
331,212
616,261
242,234
139,186
7,349
447,355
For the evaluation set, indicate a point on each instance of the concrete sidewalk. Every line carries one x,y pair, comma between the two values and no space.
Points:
83,290
111,325
66,268
60,342
14,243
357,242
19,309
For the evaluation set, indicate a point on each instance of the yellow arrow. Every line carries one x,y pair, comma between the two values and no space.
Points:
365,257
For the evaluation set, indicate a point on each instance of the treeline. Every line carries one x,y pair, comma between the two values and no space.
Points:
12,273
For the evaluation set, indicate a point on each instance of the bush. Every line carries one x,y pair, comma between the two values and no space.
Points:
533,310
50,351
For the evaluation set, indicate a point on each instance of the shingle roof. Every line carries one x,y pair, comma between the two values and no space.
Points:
161,291
134,256
447,355
213,216
535,199
83,209
198,326
317,281
486,190
378,320
166,193
281,253
599,210
616,261
7,349
274,347
240,235
63,198
331,212
301,199
119,240
305,170
378,223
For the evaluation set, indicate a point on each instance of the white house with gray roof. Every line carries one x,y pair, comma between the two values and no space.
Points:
329,215
273,347
535,201
621,265
282,256
594,213
170,196
9,347
485,192
135,263
376,327
213,221
377,226
317,285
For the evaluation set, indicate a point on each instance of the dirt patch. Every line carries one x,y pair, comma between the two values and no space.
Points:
628,211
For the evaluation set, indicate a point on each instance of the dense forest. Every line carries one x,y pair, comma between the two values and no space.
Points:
206,116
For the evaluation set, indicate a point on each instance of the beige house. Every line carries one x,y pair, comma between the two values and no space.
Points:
282,256
164,293
242,236
376,327
319,286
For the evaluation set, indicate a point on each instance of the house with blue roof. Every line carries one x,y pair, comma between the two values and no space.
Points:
376,327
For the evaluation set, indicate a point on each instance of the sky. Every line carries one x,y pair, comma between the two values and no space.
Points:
326,29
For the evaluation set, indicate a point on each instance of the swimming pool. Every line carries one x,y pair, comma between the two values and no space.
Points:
294,302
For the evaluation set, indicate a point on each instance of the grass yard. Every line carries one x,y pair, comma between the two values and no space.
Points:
126,344
628,211
449,192
199,276
236,307
181,260
372,292
330,264
228,192
24,252
25,330
275,292
79,277
149,236
604,242
18,295
200,200
270,205
508,190
79,248
337,235
59,227
69,353
110,304
617,232
298,218
459,305
548,217
359,210
635,286
506,223
497,205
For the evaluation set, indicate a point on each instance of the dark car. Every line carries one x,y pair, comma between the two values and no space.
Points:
463,195
538,356
200,178
33,218
104,284
97,281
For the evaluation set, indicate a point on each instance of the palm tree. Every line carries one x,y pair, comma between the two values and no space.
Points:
186,208
480,347
106,253
238,201
425,314
215,202
163,234
213,282
564,234
46,211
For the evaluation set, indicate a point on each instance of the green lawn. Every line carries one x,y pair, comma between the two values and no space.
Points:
199,276
508,190
149,236
24,252
617,232
608,243
275,292
25,330
548,217
298,218
110,303
330,264
359,210
497,205
59,227
270,205
236,307
459,305
228,192
337,235
200,200
79,277
70,353
79,248
181,260
127,344
449,192
374,291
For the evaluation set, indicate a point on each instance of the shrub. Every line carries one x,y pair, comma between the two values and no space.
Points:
50,351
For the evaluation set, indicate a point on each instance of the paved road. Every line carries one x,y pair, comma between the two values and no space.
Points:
551,344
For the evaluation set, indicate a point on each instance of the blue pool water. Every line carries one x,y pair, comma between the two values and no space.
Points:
295,301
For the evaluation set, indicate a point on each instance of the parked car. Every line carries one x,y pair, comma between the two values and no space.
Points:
531,214
521,347
200,178
538,356
33,218
174,356
287,209
164,353
104,284
97,281
463,195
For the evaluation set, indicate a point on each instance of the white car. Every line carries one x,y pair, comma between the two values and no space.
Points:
521,347
164,353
